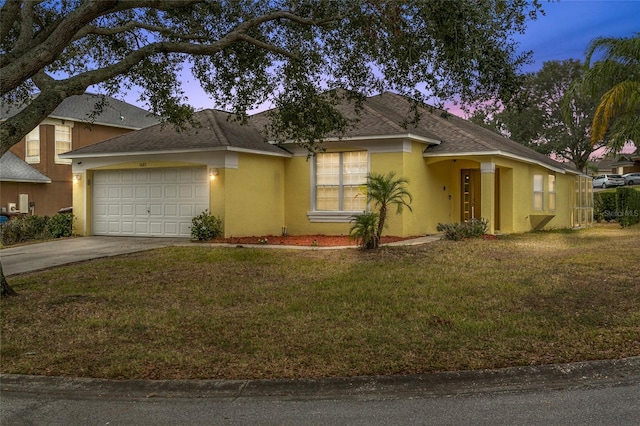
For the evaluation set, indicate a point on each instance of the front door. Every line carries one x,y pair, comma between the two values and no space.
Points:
469,194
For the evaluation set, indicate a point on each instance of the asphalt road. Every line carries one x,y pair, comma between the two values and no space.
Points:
589,393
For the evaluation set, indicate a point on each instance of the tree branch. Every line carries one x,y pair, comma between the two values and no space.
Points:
8,17
131,26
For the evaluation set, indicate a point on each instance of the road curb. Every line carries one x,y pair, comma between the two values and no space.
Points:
589,374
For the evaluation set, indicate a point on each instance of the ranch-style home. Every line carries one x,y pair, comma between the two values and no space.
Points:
152,182
34,178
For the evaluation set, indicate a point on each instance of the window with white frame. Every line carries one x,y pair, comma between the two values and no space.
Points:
32,146
339,179
538,192
63,143
552,192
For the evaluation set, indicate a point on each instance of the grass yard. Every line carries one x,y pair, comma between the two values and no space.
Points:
237,313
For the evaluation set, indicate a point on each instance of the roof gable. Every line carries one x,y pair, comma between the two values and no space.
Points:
214,130
14,169
115,113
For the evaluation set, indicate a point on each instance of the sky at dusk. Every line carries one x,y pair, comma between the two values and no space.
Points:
562,33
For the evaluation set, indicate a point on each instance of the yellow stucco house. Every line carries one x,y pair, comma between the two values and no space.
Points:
152,182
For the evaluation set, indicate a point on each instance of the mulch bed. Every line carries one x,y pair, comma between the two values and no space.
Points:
301,240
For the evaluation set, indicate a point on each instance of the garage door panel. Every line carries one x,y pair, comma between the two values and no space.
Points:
142,192
149,202
113,227
155,191
141,227
127,210
113,209
113,192
155,210
127,192
171,210
170,191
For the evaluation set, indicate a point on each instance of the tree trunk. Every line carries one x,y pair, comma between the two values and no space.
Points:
5,289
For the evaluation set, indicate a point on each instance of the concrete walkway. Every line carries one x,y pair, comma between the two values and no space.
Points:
40,256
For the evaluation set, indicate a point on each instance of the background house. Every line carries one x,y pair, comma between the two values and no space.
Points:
34,178
153,181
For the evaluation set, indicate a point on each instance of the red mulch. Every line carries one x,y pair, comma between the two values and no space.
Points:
301,240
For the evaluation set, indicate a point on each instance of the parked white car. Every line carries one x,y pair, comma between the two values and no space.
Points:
605,181
631,178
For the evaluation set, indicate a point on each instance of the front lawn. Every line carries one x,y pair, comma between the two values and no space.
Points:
232,313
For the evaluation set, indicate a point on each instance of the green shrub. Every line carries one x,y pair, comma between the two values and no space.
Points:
628,206
30,228
604,206
11,232
474,228
34,227
205,227
364,230
61,225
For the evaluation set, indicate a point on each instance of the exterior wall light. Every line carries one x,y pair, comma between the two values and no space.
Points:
213,173
76,178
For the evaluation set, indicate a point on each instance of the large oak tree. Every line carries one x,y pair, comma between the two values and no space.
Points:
548,115
245,53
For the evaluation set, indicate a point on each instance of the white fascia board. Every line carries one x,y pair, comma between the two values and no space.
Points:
411,136
79,120
500,154
26,181
182,151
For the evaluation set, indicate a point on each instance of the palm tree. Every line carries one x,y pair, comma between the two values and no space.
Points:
384,191
616,79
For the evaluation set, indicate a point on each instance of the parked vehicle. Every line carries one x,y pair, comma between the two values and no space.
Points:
631,178
605,181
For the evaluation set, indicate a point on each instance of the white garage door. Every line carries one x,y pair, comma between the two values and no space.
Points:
148,202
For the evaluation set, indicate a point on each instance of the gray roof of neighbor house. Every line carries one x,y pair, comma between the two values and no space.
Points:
216,130
385,114
114,113
14,169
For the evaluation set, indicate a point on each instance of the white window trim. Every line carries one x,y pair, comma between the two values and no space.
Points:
330,216
32,159
552,192
542,192
57,159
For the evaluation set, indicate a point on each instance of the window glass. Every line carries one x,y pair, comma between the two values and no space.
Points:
552,192
339,180
538,192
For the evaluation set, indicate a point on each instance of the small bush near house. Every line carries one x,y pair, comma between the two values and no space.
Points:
61,225
205,227
474,228
30,228
364,229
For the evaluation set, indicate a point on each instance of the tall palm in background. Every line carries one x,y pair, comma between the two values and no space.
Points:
616,79
384,191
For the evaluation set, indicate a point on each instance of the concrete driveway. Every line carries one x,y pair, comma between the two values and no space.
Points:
35,257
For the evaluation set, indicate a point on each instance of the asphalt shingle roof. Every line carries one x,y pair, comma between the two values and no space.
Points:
216,129
388,113
78,108
14,169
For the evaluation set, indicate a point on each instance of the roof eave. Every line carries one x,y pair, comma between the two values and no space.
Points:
25,180
412,136
73,155
501,154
